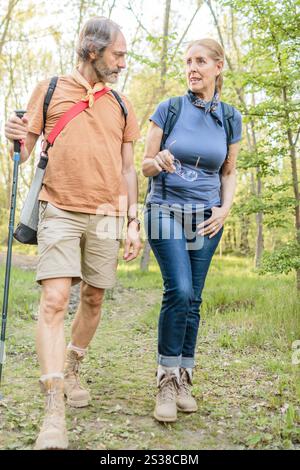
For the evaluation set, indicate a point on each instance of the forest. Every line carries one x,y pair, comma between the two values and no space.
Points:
251,321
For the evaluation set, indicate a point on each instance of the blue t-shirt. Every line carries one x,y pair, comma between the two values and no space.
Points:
197,134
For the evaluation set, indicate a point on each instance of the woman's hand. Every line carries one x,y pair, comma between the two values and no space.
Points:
215,222
156,161
164,161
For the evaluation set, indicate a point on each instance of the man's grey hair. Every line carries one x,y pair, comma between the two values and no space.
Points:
97,33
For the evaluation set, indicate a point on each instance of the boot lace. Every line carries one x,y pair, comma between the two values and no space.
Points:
73,370
184,385
168,387
54,415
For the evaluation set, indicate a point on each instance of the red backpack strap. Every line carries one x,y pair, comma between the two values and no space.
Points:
69,115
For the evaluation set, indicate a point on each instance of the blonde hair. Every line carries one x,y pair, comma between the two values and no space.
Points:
216,53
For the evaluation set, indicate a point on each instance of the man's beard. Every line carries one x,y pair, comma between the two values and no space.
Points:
103,73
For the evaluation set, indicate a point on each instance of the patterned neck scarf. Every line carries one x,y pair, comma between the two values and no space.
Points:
90,91
208,106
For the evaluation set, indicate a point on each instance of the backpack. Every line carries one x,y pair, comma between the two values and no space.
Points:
174,111
26,230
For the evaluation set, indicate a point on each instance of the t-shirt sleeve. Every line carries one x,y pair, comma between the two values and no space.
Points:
131,131
159,116
236,127
35,107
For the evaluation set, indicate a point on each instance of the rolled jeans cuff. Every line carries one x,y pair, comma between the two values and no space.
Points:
169,361
187,362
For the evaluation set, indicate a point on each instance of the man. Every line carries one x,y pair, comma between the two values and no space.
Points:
89,185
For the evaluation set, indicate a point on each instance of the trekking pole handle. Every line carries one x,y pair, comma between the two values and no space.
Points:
17,146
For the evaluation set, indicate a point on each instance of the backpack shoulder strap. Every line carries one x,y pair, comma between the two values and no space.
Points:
48,96
174,111
121,103
227,112
69,115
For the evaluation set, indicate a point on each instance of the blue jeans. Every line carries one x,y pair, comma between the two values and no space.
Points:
184,258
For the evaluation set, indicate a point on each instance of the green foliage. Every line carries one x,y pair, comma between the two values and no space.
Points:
282,260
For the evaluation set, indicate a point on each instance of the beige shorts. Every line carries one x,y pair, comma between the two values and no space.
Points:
77,245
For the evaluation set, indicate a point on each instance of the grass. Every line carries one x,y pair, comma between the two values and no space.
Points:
246,385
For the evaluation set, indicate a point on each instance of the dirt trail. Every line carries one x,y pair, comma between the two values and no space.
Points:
26,262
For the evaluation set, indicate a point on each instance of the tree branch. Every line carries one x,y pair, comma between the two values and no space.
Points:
186,29
6,21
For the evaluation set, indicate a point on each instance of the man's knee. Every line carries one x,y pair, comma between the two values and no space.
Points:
54,301
92,296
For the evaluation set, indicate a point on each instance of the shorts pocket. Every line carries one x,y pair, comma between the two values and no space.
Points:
50,210
42,210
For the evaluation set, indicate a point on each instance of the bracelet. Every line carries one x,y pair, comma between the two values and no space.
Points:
135,219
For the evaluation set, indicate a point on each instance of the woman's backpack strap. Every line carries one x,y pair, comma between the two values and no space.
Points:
174,111
228,113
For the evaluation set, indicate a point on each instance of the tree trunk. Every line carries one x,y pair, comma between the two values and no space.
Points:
296,194
164,55
259,239
221,247
144,264
4,25
244,242
234,235
228,241
292,151
259,246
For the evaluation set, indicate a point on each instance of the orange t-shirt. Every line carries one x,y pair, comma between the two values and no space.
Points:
84,171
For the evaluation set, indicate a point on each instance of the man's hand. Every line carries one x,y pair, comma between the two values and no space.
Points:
17,129
133,243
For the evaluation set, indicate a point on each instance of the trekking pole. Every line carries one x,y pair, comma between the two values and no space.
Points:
16,159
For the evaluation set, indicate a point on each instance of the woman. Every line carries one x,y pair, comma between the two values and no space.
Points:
185,213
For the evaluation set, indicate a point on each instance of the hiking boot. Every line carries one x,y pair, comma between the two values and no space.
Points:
185,401
76,394
165,409
53,433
